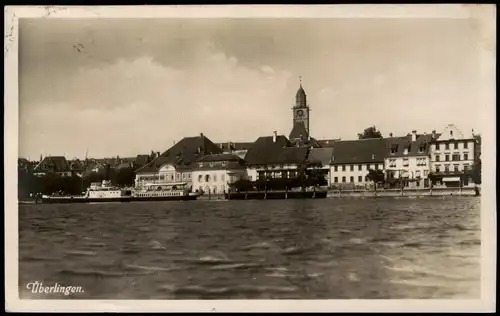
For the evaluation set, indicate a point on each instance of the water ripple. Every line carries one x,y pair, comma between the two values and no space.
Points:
294,249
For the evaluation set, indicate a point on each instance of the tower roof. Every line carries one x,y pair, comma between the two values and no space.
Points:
300,92
301,97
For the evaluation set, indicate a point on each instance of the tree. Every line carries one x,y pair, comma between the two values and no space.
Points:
377,176
125,177
316,178
370,132
434,178
475,172
26,183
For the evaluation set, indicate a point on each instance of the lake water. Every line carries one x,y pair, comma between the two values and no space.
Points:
282,249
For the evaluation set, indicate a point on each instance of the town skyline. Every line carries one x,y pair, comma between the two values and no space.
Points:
106,89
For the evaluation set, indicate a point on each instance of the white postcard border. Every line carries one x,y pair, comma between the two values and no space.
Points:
485,16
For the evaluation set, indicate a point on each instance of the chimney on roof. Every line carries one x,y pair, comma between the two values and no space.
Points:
414,136
275,135
390,134
433,133
202,148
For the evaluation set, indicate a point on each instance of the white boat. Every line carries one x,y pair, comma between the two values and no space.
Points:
97,192
173,191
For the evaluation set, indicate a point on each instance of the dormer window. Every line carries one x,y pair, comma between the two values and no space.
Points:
373,156
200,165
421,149
405,151
394,149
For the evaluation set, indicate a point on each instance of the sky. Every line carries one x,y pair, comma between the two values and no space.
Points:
110,87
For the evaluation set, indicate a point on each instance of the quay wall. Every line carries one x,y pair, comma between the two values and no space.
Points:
404,193
469,191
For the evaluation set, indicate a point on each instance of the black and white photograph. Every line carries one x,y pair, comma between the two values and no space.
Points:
272,158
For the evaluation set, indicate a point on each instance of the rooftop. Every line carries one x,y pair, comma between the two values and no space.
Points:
183,154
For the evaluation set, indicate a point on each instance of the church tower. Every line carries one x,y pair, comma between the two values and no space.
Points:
300,112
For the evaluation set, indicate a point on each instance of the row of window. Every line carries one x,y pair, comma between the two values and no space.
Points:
351,179
166,177
455,146
212,163
455,168
360,178
360,167
406,162
454,157
209,178
277,174
394,150
410,174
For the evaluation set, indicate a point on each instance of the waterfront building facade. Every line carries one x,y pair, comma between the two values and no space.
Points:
351,161
176,164
274,157
452,156
407,160
212,174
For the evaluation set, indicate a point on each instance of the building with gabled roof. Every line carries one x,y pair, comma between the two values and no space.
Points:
274,156
176,163
352,159
213,173
452,156
407,159
53,164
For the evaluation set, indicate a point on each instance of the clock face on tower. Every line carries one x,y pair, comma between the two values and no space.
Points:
300,113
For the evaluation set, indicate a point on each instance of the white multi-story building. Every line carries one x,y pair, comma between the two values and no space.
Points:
407,159
166,173
177,163
213,174
452,156
352,159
